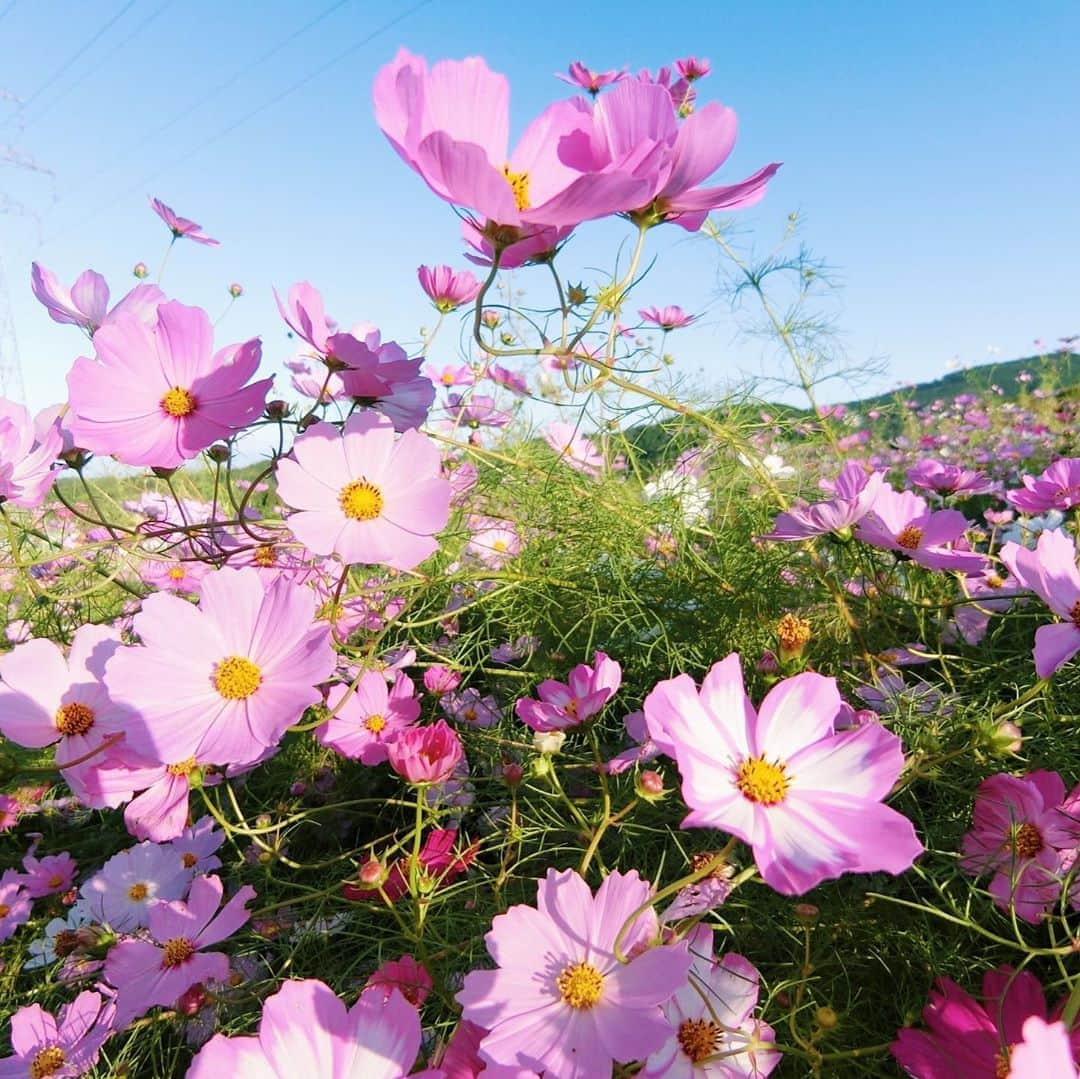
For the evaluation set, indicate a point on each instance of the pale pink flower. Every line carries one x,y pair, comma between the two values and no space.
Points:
572,447
307,1031
86,303
48,875
181,226
59,1047
560,1001
364,495
28,450
16,903
369,717
120,893
667,318
806,799
220,683
159,970
157,395
447,288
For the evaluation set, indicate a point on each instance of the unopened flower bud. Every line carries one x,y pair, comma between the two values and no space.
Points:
372,873
163,473
650,785
512,773
439,679
490,319
218,452
768,664
826,1018
140,270
806,913
191,1000
1006,739
277,409
236,291
576,294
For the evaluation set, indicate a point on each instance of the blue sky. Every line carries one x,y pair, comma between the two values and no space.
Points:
930,148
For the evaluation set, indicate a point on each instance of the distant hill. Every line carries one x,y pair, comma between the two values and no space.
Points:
1056,373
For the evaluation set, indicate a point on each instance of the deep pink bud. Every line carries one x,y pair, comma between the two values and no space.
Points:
440,679
425,754
651,783
191,1000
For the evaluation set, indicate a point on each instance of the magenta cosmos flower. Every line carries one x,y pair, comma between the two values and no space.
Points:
425,755
855,494
446,288
560,1002
947,479
682,156
223,681
1057,488
806,799
969,1040
47,699
367,718
157,395
1050,571
901,521
667,318
28,449
86,303
159,970
62,1046
181,226
364,495
574,448
577,74
567,704
49,874
451,125
1020,830
306,1030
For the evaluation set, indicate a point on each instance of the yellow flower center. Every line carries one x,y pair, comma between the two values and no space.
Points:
448,378
909,538
499,545
55,880
580,985
178,402
519,184
1028,841
181,768
375,723
698,1039
138,892
761,781
994,581
74,718
177,573
5,910
189,859
793,632
177,950
48,1061
236,678
265,556
65,942
1002,1067
1074,614
361,501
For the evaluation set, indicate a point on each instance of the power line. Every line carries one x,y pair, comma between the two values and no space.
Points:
115,159
78,54
250,115
95,67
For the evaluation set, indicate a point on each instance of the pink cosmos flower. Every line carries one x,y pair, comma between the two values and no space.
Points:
451,375
62,1046
692,68
158,971
856,493
446,288
1019,832
181,226
220,683
969,1040
560,1001
363,495
406,976
440,679
86,303
305,315
714,1032
1050,571
451,125
806,799
157,395
120,893
195,846
579,452
1045,1051
514,381
306,1030
667,318
28,449
475,410
642,751
593,81
425,754
1057,488
948,479
493,541
160,812
901,521
366,720
536,245
15,903
47,699
582,696
49,875
643,116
